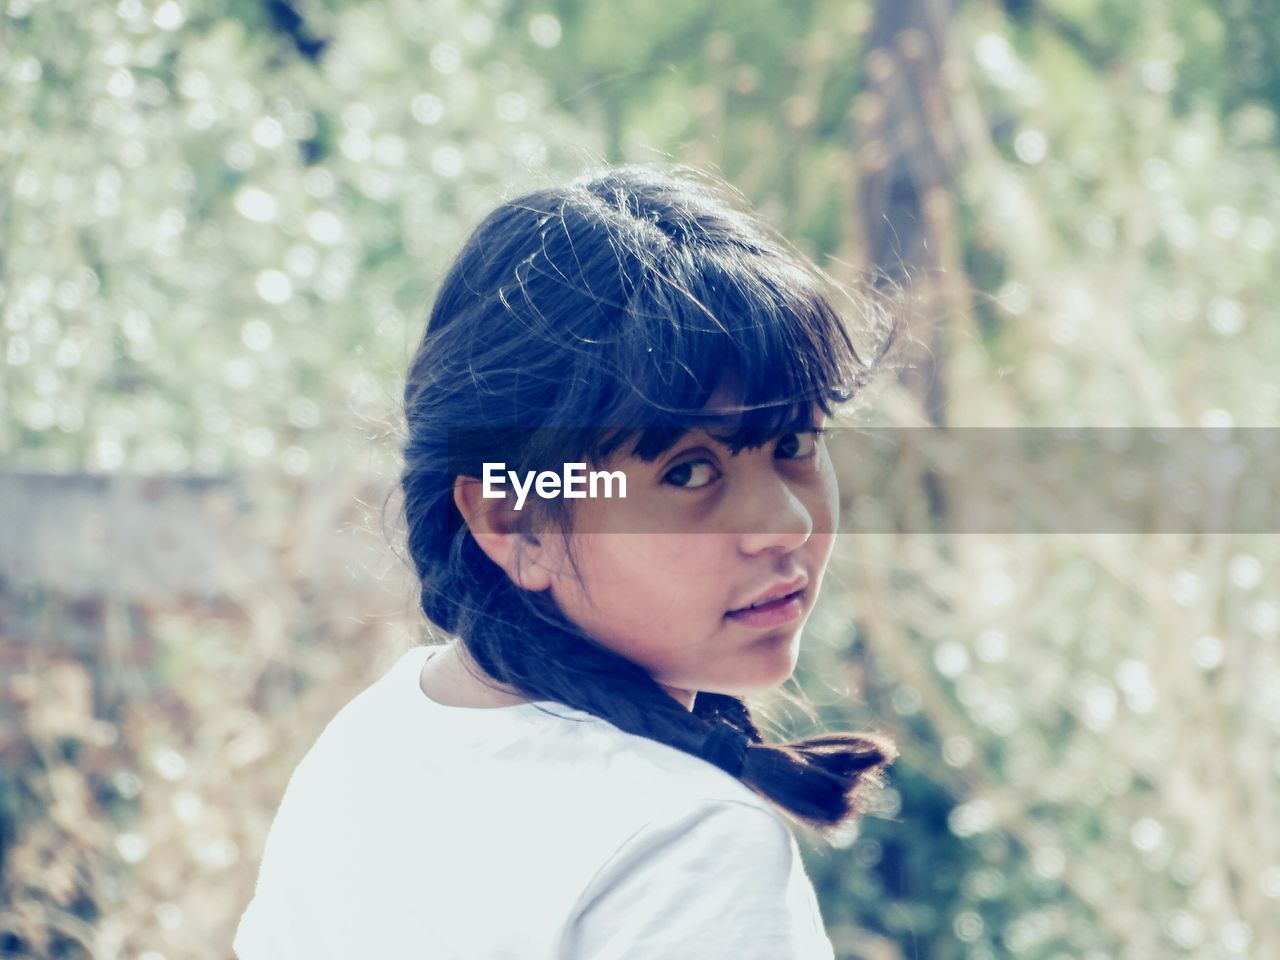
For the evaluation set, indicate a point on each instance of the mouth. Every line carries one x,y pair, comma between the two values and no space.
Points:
772,612
778,590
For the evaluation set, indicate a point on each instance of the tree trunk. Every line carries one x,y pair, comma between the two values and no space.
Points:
904,162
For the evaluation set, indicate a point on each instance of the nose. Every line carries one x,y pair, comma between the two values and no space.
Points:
774,518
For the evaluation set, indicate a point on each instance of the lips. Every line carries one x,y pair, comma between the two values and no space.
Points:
775,591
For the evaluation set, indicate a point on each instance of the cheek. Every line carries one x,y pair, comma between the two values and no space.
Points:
656,579
674,574
619,572
821,545
825,503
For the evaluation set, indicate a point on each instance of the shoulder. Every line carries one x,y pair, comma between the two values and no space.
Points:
607,788
728,831
712,878
708,838
647,776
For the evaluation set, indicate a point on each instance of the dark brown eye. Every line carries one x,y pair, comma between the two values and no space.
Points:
798,446
692,474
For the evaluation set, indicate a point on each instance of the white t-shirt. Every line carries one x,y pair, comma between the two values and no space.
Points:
417,830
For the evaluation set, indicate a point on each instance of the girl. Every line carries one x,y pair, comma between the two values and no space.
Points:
576,775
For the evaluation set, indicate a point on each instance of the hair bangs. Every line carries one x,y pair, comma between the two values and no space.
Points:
740,322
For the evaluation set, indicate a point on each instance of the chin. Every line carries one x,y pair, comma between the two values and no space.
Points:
771,671
787,650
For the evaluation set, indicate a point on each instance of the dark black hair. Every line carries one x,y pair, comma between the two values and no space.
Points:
622,298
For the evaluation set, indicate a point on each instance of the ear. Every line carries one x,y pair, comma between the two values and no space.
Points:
498,529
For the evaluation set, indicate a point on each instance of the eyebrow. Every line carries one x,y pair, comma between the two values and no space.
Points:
802,420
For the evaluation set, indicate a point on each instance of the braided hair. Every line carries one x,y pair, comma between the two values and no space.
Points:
628,293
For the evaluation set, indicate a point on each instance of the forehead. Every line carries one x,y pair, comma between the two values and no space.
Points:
723,409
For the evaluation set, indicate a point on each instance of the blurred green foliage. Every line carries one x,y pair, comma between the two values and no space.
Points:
219,249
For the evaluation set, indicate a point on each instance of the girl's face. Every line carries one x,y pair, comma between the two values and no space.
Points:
664,574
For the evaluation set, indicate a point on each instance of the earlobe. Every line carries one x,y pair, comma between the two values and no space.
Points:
495,526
